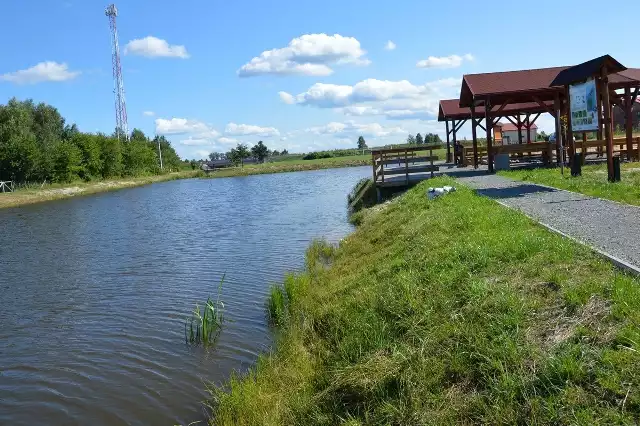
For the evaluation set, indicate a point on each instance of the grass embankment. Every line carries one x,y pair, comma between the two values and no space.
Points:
39,193
295,165
592,182
449,311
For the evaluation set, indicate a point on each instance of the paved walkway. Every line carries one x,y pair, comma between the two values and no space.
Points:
610,227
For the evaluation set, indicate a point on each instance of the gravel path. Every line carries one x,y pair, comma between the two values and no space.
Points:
611,227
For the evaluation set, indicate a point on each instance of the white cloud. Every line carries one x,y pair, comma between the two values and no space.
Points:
452,61
310,54
230,141
287,98
191,141
44,71
202,154
178,126
153,47
249,129
148,113
393,99
366,129
390,46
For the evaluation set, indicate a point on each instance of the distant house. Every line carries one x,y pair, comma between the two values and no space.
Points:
507,134
618,116
210,165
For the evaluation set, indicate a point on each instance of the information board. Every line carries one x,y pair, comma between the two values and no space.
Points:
584,106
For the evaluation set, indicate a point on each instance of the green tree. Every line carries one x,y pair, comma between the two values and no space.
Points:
193,164
275,153
284,152
90,150
411,140
260,151
240,153
361,143
110,156
170,158
67,161
419,140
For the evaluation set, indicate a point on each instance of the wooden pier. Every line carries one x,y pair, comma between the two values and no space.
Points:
398,167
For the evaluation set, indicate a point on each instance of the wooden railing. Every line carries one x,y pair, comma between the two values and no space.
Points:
408,162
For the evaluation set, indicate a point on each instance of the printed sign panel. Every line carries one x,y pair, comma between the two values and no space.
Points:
584,106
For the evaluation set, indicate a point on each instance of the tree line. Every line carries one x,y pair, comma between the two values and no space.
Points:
36,144
428,139
241,152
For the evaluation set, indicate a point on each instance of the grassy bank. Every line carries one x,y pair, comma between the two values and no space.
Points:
39,193
447,311
294,165
592,182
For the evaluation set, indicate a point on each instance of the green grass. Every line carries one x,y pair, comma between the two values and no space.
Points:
204,326
592,182
447,311
293,165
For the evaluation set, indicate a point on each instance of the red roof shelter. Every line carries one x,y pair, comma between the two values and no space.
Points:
490,96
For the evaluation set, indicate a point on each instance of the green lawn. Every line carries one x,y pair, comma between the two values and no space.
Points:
447,311
592,182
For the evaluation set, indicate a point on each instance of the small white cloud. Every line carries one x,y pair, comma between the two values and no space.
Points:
148,113
230,141
44,71
249,129
310,54
191,141
287,98
351,127
178,126
452,61
153,47
202,154
390,46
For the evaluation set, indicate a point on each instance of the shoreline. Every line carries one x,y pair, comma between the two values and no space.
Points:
426,313
58,191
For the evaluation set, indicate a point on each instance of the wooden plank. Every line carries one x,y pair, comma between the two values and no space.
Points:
411,170
446,122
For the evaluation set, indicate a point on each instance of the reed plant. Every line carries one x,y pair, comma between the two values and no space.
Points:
204,325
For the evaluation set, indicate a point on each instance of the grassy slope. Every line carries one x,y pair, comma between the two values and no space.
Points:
37,194
294,165
501,322
592,182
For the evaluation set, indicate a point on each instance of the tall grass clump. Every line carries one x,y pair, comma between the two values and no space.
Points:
361,196
276,306
448,311
204,325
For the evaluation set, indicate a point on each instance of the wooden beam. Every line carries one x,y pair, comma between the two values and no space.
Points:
628,108
481,125
570,142
534,119
511,120
635,95
474,137
558,108
488,118
504,104
528,127
446,122
460,124
542,104
455,140
607,121
519,129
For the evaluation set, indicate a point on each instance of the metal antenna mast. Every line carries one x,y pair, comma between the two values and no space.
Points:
122,127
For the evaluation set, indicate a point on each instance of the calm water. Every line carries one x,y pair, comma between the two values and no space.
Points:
94,291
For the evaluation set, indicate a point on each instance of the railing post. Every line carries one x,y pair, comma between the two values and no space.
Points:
382,160
406,165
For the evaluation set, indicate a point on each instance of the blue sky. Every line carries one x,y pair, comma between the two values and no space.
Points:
196,72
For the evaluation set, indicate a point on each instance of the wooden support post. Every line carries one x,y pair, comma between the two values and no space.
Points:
604,87
628,121
528,128
487,109
557,107
599,134
383,156
375,166
571,144
406,166
455,139
519,129
584,147
474,136
446,122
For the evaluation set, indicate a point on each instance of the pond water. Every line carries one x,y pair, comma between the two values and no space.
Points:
94,291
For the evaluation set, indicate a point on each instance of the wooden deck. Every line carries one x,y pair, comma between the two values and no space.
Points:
400,167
